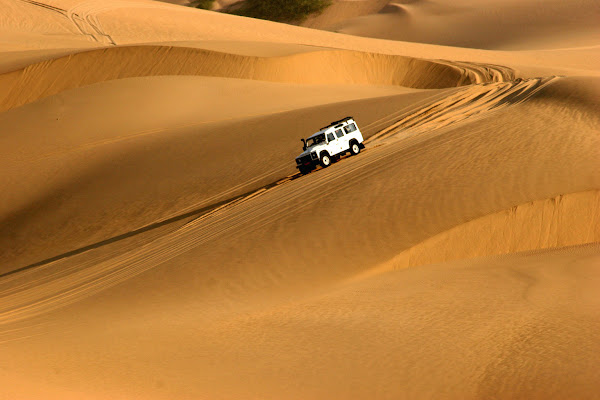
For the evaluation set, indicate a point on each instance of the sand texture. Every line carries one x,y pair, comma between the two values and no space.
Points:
157,241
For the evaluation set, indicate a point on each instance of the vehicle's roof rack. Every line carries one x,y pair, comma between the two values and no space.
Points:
336,122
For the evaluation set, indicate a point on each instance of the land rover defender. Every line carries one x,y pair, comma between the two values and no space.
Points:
329,144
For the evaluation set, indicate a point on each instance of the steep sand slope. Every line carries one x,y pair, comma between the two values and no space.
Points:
103,160
116,183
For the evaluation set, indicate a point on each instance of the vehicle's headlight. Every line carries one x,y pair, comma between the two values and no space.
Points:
298,161
313,156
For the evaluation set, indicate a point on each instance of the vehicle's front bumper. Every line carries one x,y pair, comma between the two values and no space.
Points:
306,161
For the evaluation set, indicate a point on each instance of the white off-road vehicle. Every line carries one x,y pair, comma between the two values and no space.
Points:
329,144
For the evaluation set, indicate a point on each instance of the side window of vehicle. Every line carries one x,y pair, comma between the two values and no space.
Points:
350,128
330,137
339,133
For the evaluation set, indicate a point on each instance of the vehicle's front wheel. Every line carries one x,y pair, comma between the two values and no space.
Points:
354,148
325,160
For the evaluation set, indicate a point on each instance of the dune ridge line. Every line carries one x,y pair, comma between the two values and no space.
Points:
318,67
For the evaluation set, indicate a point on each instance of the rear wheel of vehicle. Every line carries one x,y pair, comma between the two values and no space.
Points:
354,148
325,160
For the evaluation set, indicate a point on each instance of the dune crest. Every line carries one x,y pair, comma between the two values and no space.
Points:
318,67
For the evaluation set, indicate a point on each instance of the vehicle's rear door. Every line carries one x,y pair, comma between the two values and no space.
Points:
352,132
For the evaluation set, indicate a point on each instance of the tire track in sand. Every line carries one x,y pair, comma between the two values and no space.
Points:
476,100
84,17
34,291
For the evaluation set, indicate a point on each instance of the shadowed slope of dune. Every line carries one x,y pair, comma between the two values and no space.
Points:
99,168
319,67
124,185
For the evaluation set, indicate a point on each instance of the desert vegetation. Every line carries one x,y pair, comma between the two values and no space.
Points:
204,4
280,10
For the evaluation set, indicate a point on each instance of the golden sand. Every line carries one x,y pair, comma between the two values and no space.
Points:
156,241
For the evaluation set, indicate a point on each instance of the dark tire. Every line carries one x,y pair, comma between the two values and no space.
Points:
325,160
354,148
304,171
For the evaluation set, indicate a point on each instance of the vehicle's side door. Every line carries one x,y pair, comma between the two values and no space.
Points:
342,139
333,144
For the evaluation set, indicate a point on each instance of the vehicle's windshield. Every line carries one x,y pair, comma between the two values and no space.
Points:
315,140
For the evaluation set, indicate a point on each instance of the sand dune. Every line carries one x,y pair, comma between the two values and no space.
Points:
138,199
401,204
332,67
157,243
421,332
126,23
467,23
560,220
124,157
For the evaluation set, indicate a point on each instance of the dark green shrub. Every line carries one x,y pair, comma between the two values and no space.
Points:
205,4
281,10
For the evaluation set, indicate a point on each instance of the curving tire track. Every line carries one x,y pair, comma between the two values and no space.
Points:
464,104
481,72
